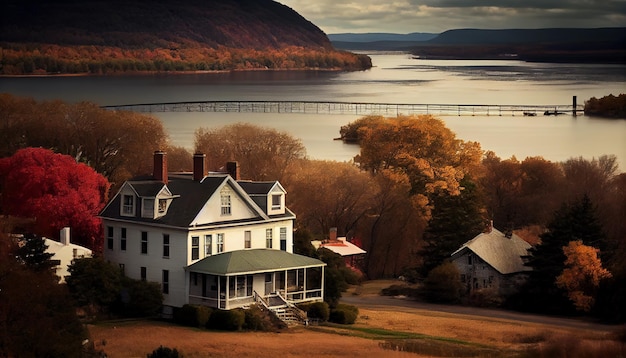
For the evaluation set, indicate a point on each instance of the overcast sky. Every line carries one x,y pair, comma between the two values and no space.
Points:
406,16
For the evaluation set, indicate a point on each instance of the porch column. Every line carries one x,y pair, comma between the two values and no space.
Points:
304,285
323,282
227,303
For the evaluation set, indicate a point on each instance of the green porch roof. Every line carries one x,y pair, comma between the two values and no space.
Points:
252,261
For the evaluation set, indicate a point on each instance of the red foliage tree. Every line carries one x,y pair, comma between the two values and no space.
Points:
56,191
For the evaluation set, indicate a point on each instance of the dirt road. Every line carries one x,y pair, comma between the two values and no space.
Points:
377,302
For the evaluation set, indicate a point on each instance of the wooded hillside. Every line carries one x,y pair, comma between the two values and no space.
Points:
142,35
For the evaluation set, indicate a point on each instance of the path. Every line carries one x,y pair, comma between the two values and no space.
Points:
378,302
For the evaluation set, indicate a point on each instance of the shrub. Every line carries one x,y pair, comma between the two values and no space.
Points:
165,352
485,298
318,310
257,319
443,284
231,320
192,315
344,314
398,290
140,298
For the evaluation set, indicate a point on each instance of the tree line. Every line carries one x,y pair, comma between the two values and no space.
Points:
21,59
413,195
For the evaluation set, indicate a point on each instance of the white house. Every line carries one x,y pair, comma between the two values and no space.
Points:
209,239
492,260
64,253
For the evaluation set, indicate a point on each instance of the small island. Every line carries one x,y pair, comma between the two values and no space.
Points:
608,106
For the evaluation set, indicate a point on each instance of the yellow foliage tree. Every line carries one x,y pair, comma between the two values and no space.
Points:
582,274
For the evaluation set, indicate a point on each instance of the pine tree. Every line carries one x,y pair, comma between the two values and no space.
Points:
570,223
455,220
33,253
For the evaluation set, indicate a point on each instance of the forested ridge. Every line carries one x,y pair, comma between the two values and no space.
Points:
48,36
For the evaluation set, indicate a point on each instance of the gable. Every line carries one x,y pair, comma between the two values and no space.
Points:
494,248
237,208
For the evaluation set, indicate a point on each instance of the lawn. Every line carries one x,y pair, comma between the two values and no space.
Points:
377,333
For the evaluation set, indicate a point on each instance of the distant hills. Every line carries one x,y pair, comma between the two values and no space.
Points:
603,45
52,36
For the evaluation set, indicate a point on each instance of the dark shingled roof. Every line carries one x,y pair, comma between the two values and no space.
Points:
252,261
191,197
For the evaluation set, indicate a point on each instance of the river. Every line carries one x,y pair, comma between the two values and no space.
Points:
395,78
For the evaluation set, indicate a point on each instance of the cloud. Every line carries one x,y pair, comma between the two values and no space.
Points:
404,16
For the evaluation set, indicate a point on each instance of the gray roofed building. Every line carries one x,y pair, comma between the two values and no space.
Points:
492,260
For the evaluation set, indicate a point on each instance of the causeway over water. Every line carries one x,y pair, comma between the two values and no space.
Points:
356,108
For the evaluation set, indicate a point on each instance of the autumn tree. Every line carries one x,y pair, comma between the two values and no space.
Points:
513,190
56,191
263,153
117,144
421,148
412,159
582,274
392,229
327,194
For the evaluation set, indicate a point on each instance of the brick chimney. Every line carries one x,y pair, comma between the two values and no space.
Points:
160,166
198,166
233,170
332,235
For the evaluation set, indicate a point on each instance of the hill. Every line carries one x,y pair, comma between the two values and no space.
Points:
601,45
136,35
573,45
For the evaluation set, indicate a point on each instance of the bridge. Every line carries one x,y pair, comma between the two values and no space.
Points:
356,108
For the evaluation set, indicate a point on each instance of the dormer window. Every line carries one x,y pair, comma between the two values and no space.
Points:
162,206
225,201
276,201
147,208
128,205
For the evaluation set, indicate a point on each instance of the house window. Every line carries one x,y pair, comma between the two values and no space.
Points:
220,243
283,238
469,259
268,238
208,245
147,208
166,281
110,237
276,201
195,247
123,239
144,242
143,273
247,239
166,245
225,201
162,206
128,205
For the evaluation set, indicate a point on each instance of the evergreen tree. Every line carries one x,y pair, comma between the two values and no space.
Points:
455,220
570,223
33,253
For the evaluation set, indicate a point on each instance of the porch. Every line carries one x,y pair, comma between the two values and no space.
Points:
235,279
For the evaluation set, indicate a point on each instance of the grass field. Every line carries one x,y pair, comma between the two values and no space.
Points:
377,333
